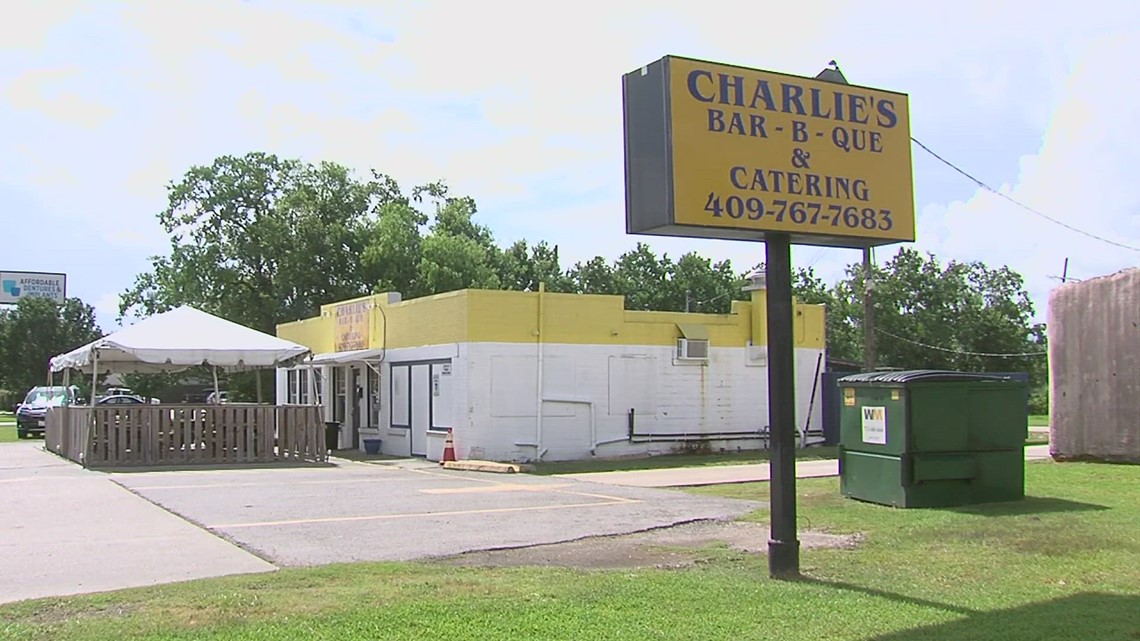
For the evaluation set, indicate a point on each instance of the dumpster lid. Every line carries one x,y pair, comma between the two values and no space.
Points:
920,375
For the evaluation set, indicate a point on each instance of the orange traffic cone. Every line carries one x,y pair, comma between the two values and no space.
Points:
448,449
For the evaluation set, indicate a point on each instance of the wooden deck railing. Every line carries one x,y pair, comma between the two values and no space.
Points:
138,435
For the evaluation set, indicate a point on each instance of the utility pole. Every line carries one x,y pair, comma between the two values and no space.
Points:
688,299
868,312
833,74
1065,271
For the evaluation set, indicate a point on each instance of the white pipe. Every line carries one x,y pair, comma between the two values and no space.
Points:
624,439
539,451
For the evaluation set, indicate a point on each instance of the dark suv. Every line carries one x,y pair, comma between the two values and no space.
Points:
30,414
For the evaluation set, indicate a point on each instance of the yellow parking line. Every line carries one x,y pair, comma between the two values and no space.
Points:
501,487
384,517
615,499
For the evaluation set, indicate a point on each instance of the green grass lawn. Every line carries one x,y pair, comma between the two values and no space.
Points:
7,427
676,460
1061,565
1039,420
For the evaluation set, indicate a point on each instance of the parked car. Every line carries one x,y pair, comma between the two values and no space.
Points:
31,413
120,399
125,391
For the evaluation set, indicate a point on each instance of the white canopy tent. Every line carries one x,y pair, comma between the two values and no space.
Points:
178,340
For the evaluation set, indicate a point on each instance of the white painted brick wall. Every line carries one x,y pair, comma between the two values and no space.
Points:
726,395
723,396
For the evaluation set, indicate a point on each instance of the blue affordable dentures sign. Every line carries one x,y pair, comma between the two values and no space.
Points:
17,285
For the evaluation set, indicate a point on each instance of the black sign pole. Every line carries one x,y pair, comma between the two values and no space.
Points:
783,545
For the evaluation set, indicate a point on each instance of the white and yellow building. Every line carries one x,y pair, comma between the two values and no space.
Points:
525,376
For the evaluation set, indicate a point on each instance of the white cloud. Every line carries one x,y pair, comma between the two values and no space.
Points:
106,310
44,91
1083,175
26,28
522,108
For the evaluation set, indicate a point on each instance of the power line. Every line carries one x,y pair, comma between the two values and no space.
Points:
1019,203
961,352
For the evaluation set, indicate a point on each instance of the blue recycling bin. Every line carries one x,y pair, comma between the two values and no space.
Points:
372,446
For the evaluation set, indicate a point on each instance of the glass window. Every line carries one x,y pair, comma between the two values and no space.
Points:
340,387
291,395
303,386
373,398
318,381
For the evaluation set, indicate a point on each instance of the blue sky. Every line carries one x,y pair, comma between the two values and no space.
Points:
519,106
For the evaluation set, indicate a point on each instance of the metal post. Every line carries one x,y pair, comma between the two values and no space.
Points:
94,375
783,546
868,312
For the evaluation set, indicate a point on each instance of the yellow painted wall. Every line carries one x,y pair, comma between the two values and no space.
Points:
513,317
315,333
430,320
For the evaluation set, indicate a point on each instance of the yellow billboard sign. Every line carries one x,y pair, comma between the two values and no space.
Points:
352,326
719,151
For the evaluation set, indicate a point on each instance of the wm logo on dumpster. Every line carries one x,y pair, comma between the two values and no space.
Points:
874,413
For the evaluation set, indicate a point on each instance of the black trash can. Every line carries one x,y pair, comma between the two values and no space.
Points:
332,435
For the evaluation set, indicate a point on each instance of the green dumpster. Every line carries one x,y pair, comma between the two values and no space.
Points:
928,438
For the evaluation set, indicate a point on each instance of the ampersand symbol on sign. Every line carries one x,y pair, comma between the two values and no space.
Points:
800,159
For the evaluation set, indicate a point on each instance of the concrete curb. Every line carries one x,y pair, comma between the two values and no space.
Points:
482,466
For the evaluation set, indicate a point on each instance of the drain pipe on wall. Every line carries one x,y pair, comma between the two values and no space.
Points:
540,451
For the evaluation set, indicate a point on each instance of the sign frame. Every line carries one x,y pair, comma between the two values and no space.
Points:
7,298
653,137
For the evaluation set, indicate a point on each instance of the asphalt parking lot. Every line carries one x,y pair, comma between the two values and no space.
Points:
407,510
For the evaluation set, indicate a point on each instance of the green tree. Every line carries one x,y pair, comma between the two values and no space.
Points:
258,239
595,276
458,253
930,315
261,240
393,249
657,283
697,284
522,267
35,331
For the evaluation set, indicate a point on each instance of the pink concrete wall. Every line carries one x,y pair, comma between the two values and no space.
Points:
1094,368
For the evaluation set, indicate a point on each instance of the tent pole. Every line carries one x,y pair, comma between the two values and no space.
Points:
94,375
217,394
311,383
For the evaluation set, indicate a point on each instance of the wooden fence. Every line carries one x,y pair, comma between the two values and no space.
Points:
121,436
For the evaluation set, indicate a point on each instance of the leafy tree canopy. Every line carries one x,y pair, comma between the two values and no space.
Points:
262,240
34,331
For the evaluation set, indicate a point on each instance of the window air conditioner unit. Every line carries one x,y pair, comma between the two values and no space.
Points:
691,349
